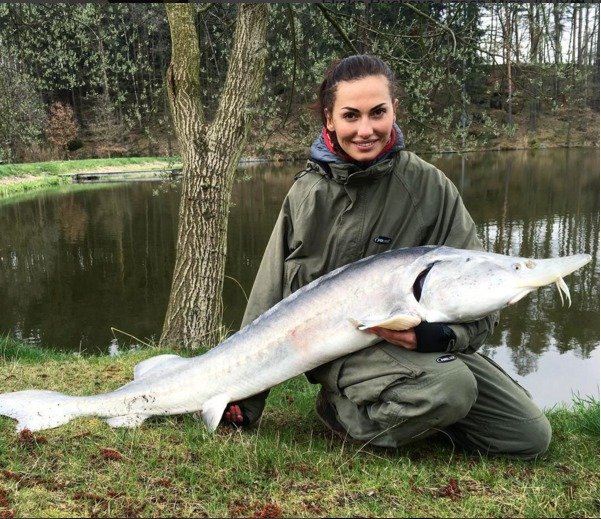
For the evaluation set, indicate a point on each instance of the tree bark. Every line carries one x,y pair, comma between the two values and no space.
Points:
535,29
506,22
210,154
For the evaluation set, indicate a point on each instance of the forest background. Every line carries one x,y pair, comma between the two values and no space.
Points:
88,80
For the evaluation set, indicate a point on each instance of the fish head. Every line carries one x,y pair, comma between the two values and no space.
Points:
463,286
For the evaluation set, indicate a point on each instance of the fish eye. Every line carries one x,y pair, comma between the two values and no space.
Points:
516,266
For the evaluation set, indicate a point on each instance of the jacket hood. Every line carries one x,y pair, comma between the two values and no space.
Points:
321,153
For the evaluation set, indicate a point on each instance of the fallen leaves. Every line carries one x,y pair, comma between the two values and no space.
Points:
450,490
5,510
29,440
239,508
111,454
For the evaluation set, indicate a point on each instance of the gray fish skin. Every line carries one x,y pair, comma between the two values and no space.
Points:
322,321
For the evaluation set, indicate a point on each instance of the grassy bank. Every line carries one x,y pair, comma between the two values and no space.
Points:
287,466
19,178
71,166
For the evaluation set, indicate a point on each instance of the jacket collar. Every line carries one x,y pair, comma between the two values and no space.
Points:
351,173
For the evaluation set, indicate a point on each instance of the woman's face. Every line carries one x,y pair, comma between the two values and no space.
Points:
362,116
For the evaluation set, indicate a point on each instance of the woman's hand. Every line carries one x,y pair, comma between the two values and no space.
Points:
404,338
233,415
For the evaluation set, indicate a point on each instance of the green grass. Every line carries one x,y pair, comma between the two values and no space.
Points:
29,184
16,179
71,166
287,466
582,418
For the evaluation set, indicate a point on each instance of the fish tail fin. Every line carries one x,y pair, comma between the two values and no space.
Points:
37,410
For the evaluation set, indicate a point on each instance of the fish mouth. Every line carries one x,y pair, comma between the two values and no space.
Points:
520,295
546,271
562,288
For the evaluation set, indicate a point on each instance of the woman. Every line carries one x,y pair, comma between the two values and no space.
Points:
362,194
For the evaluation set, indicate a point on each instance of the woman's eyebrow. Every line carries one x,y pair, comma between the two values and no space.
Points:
351,109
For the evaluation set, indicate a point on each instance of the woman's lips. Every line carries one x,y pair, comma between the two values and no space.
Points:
365,145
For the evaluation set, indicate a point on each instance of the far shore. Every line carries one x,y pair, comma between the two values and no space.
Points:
19,178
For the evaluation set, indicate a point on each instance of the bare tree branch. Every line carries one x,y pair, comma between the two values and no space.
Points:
436,22
328,15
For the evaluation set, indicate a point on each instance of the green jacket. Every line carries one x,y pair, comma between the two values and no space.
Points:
337,213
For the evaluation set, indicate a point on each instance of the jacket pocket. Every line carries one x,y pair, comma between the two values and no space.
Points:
366,374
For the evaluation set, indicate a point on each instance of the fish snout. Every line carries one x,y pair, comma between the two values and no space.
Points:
538,273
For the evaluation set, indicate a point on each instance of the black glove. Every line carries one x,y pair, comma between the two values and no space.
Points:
434,337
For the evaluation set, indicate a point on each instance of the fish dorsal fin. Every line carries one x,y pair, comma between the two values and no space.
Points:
146,366
212,410
396,321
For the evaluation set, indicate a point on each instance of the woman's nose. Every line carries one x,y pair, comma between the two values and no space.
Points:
365,129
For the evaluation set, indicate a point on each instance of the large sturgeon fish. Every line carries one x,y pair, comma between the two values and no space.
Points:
322,321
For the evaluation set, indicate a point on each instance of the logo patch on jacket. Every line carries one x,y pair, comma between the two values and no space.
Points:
383,240
449,357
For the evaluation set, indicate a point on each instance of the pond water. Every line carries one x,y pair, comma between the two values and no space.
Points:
88,268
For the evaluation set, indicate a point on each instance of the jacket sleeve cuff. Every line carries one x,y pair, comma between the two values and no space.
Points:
470,336
462,337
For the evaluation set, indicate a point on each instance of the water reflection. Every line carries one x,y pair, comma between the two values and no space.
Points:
75,263
540,205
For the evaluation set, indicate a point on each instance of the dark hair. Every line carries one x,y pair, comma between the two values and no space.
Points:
349,69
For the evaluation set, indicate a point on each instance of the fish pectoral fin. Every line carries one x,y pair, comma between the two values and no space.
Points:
212,410
397,321
128,420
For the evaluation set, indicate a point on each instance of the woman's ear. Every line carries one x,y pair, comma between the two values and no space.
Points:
395,106
329,122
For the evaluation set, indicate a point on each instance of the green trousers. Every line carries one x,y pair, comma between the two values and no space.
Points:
389,396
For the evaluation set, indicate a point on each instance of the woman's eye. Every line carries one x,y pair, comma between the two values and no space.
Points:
379,112
349,116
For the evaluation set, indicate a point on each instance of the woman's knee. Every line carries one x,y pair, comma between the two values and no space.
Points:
532,439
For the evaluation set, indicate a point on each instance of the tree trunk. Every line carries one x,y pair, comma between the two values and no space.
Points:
579,44
598,42
535,29
557,36
569,100
515,30
535,36
492,49
210,154
507,34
